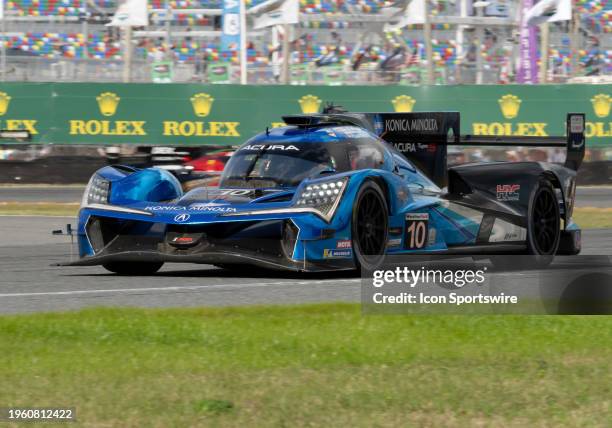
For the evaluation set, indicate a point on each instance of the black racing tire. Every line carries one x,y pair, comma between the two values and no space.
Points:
133,268
370,226
543,231
543,221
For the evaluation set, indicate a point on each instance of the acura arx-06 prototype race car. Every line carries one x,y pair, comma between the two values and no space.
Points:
334,191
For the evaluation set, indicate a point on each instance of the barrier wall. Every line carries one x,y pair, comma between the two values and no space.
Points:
192,114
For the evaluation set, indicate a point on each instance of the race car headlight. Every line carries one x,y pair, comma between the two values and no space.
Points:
323,196
97,191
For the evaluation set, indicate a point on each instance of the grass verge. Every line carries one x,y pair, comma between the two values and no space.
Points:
315,365
587,218
593,218
39,208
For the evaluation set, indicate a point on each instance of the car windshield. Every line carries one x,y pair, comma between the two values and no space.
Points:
268,165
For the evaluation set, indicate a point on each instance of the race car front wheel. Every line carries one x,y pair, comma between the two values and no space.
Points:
133,268
370,226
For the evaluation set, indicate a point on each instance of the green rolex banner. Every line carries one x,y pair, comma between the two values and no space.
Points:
196,114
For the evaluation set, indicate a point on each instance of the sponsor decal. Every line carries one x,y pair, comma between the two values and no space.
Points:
511,236
337,254
270,147
414,147
416,234
411,125
211,207
198,207
230,192
183,240
395,242
502,231
182,218
344,243
417,216
508,192
431,239
576,124
164,208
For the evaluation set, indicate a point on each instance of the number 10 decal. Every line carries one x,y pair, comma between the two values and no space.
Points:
416,231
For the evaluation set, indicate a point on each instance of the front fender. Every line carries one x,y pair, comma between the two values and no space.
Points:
144,185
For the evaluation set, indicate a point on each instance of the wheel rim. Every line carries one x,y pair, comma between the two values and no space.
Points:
545,223
371,225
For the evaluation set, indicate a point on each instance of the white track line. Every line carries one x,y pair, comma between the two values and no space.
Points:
178,288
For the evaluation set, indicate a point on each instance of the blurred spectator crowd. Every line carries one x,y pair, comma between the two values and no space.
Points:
332,41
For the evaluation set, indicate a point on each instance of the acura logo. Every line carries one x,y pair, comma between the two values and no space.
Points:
181,218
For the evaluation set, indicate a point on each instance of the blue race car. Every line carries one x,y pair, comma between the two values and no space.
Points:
337,190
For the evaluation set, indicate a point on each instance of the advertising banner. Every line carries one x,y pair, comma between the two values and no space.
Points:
528,66
219,72
196,114
161,72
230,36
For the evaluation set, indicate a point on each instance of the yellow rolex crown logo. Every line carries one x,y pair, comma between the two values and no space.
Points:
601,104
108,102
5,99
403,103
510,105
310,104
202,104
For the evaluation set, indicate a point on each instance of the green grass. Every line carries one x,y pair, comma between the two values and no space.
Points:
39,208
317,365
593,218
587,218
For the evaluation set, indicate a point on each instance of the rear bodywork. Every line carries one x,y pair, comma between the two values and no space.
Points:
473,209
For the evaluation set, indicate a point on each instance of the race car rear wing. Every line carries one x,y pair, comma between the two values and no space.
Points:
423,136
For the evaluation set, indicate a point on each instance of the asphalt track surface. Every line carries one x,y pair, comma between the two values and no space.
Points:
590,196
28,282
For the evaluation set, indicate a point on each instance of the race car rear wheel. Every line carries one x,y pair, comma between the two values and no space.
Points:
133,268
370,226
543,231
544,221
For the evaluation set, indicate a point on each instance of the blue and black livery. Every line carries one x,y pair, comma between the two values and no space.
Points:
337,191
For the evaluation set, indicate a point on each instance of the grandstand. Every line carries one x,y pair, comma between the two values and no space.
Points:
336,41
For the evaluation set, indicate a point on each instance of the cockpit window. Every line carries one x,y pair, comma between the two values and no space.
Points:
268,165
365,156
